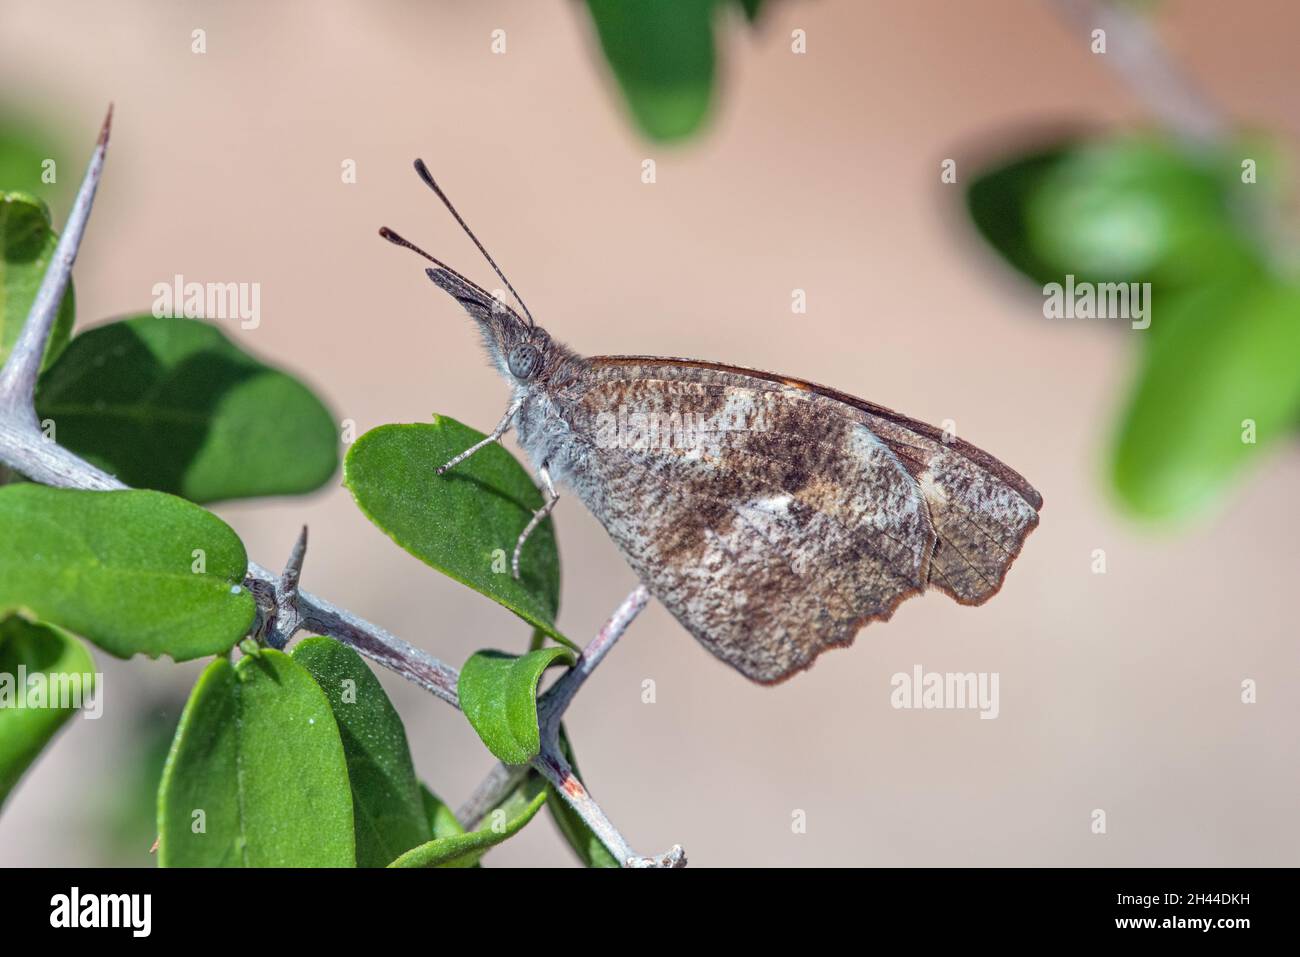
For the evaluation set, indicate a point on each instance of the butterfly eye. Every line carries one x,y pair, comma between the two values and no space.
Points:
524,360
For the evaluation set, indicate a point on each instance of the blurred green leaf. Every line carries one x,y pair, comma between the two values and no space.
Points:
464,523
752,9
257,775
998,201
589,848
122,828
26,155
390,812
1228,352
28,723
27,244
661,52
1134,209
498,694
134,572
174,405
504,821
1139,209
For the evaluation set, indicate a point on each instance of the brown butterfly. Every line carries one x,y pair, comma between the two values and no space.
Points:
773,517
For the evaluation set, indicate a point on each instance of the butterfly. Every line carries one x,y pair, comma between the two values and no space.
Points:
772,517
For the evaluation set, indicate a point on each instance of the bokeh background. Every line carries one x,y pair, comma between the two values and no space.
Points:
1119,691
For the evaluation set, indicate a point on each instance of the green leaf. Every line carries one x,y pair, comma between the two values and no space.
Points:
134,572
1130,209
27,244
464,523
442,821
1228,352
589,848
998,201
504,821
1140,209
752,8
174,405
498,694
661,52
26,150
29,722
441,818
258,753
390,812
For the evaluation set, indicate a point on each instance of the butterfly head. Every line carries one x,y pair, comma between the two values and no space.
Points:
519,348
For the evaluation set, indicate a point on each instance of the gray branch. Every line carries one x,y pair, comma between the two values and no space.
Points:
283,608
551,763
18,378
1134,50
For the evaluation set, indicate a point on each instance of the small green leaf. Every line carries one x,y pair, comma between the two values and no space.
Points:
134,572
256,776
174,405
390,811
464,523
498,694
1219,384
441,818
27,244
589,848
504,821
32,711
661,52
752,9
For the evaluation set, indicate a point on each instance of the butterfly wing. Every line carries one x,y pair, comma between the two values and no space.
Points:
774,518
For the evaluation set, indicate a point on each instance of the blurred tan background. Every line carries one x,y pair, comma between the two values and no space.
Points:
1118,691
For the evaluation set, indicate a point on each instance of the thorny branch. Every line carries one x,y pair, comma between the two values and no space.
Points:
18,378
551,762
283,608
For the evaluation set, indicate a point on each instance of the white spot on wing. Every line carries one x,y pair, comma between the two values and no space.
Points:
778,505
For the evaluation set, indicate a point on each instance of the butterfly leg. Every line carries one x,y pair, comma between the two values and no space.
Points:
552,497
502,428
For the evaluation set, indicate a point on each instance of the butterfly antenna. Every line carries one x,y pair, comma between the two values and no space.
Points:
397,240
429,181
